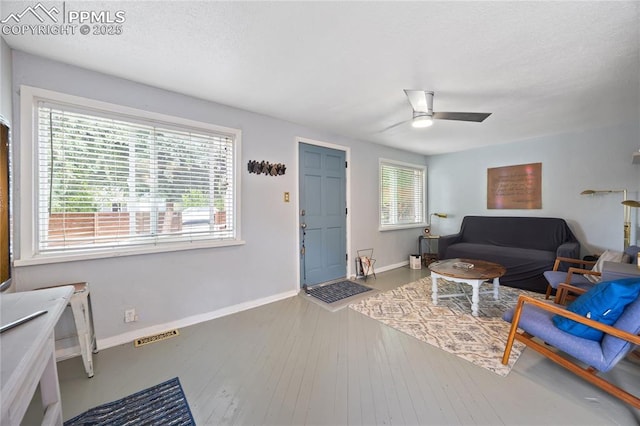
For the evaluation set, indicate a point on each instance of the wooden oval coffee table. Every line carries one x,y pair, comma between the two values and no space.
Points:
468,271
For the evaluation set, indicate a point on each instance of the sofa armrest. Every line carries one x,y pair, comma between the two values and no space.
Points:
568,249
445,241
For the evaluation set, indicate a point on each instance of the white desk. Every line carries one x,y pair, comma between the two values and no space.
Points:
27,354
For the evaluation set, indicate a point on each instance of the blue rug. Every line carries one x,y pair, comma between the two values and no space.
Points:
163,404
331,293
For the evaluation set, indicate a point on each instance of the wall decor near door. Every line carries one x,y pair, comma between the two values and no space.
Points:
266,168
515,187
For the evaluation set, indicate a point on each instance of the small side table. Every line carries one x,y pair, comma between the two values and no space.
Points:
81,315
431,255
81,309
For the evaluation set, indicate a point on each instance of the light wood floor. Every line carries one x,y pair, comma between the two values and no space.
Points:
294,363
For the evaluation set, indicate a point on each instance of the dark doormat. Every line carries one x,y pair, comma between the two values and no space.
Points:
163,404
334,292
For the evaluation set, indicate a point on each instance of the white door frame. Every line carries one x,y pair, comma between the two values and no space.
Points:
347,156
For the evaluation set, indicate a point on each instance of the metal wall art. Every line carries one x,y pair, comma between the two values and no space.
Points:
515,187
266,168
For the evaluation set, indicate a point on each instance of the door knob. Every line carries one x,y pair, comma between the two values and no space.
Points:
303,225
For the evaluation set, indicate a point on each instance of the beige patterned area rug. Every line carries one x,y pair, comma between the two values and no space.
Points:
449,325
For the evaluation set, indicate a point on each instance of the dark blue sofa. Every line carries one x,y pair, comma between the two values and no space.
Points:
526,246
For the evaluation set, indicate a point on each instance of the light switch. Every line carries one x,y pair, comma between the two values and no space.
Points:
286,197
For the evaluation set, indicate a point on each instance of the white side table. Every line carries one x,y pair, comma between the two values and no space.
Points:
81,315
81,310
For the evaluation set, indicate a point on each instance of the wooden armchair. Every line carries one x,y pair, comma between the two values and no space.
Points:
575,276
610,271
566,292
534,318
583,276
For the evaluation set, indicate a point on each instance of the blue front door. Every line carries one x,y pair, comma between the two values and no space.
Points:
323,214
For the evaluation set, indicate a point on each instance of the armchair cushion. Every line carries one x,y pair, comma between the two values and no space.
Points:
558,277
613,348
539,322
604,303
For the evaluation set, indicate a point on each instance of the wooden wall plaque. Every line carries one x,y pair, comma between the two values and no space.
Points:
515,187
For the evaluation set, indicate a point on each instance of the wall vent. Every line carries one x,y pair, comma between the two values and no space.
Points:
155,338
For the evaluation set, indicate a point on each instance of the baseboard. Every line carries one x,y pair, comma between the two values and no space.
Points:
384,269
192,320
394,266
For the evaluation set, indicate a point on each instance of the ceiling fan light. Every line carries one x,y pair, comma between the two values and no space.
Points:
421,121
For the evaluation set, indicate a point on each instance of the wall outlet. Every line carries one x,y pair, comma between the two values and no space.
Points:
130,315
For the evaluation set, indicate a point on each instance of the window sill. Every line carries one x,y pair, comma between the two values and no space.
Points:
400,227
110,253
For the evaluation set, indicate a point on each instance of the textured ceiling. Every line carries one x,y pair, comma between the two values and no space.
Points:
540,67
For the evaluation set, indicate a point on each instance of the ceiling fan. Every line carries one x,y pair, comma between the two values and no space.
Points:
423,115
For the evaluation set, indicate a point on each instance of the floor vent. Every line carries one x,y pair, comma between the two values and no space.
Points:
155,338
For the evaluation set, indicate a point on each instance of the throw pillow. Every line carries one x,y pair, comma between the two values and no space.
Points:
604,303
607,256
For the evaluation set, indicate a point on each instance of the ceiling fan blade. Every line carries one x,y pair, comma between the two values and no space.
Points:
394,125
420,100
477,117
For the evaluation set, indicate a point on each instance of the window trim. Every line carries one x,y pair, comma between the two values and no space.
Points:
27,200
423,168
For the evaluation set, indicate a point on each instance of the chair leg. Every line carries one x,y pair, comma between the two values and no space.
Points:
549,288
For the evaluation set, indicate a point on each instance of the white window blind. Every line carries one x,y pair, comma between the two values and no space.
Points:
402,194
106,180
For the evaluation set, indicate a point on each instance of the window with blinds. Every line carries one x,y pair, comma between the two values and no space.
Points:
402,194
106,180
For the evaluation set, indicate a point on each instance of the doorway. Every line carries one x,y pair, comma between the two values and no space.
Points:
322,214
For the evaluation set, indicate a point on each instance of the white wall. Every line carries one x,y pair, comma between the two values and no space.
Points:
191,285
571,163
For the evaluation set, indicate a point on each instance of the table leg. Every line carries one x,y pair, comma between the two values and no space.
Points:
475,297
80,306
434,288
50,390
496,286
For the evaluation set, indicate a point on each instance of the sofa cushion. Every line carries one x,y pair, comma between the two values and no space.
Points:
492,251
518,261
524,266
604,303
